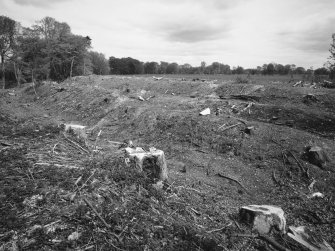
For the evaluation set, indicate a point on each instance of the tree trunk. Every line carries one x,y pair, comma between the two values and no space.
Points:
17,74
3,71
15,71
71,67
33,81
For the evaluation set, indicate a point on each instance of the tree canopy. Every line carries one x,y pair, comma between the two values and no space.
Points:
47,50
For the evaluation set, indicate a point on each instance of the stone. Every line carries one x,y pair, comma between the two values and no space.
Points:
263,218
316,156
153,161
207,111
315,195
74,236
159,185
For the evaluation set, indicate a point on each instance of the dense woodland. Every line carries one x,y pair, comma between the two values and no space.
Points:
49,50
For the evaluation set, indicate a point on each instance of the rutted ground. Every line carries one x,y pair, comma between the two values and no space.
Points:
198,208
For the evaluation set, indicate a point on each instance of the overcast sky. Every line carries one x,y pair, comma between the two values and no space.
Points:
235,32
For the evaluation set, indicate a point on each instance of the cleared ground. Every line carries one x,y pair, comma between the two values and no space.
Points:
48,177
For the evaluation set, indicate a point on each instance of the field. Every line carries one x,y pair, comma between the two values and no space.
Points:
61,192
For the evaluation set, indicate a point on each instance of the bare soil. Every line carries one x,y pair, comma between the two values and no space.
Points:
61,192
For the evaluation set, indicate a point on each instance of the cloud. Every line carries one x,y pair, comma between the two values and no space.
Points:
219,4
197,34
315,38
39,3
244,32
183,21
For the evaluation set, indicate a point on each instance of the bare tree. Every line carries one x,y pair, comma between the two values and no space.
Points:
332,58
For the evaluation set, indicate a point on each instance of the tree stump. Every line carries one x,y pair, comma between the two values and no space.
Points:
316,156
152,162
263,218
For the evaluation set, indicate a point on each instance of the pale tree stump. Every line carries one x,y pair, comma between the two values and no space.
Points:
152,162
263,218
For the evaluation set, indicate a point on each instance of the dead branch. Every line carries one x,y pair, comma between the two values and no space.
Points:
189,188
248,106
109,242
310,187
75,144
150,97
264,238
31,174
238,119
202,151
216,230
115,142
302,168
96,140
52,223
229,127
5,143
5,148
237,225
232,179
79,188
275,179
97,214
272,242
54,147
195,211
34,88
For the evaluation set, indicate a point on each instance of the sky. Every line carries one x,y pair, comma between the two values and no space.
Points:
247,33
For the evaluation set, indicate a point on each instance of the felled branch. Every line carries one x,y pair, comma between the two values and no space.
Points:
264,238
232,179
76,145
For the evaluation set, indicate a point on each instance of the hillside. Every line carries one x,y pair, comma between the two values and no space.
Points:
61,191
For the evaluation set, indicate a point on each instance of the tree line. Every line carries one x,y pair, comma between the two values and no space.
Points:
126,66
49,50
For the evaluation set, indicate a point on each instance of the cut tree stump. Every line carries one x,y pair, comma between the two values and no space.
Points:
153,161
317,156
263,218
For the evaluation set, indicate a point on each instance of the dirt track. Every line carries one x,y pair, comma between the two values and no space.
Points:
169,119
